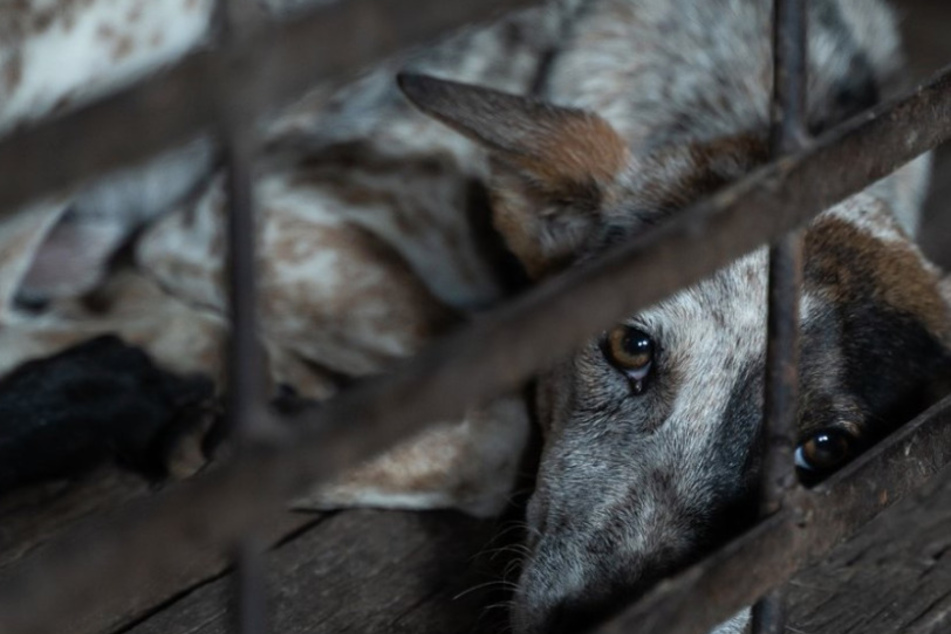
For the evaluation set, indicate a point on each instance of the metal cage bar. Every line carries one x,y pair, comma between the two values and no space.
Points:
246,399
217,510
787,115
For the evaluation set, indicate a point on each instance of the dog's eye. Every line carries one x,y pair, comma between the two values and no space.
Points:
632,352
825,450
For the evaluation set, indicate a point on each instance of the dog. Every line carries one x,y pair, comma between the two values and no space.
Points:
369,247
652,430
373,239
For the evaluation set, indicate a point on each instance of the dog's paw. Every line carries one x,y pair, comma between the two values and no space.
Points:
99,400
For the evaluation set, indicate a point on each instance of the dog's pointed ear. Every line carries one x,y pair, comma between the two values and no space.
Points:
553,168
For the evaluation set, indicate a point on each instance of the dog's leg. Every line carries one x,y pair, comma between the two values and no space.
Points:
96,400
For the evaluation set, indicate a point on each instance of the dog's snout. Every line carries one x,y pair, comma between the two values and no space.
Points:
574,615
569,587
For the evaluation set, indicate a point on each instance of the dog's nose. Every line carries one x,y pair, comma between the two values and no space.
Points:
582,608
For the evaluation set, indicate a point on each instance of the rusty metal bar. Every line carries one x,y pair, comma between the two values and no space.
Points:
787,116
179,104
785,260
789,540
493,355
245,396
782,352
246,382
790,57
769,613
250,591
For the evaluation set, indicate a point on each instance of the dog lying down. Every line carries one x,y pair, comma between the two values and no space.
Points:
374,238
373,241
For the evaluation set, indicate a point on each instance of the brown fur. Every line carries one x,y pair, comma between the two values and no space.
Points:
848,264
583,147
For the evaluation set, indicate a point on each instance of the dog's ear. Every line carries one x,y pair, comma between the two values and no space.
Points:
553,168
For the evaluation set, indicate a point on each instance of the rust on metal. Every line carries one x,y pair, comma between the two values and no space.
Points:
246,384
245,396
250,591
785,261
787,116
790,55
769,613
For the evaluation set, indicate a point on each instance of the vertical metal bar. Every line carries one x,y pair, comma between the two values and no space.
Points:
246,381
245,357
769,613
787,116
250,590
245,360
785,261
790,56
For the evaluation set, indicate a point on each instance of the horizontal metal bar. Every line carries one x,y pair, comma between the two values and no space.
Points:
793,539
495,354
179,104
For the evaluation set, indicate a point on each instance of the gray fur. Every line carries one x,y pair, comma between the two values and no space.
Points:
634,486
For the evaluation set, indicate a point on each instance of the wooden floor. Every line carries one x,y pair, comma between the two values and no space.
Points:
366,571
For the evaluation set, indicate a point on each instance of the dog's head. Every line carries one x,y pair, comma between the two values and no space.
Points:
651,430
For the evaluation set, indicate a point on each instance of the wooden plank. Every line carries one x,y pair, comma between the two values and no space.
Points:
364,571
33,517
378,571
892,577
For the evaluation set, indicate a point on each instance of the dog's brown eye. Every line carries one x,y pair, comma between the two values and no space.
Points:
825,450
632,352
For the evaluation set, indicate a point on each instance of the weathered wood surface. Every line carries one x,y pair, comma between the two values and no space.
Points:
892,577
363,571
32,517
379,571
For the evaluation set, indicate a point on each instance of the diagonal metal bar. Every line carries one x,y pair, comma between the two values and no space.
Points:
787,115
498,352
179,104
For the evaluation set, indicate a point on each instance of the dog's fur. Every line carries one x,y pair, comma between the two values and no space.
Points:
368,252
373,238
648,107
